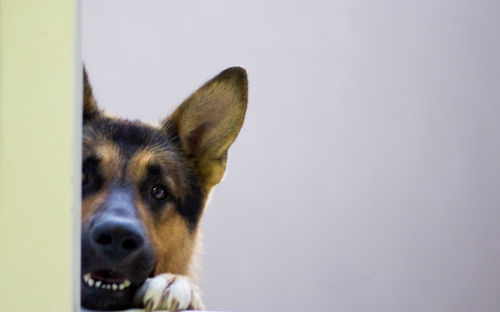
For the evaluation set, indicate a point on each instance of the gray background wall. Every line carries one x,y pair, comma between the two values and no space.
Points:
366,176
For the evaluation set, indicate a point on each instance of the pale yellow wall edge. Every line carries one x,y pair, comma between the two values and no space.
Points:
39,148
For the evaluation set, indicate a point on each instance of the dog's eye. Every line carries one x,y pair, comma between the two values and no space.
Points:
158,192
85,179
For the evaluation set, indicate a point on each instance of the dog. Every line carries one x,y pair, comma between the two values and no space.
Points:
144,189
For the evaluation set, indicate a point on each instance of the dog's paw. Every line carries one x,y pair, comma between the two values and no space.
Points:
169,292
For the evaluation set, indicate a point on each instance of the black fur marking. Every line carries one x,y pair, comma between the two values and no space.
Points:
90,110
170,129
192,205
90,168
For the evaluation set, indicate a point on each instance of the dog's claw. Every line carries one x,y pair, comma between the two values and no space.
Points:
148,307
169,292
174,306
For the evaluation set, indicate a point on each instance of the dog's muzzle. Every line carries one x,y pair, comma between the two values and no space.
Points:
117,256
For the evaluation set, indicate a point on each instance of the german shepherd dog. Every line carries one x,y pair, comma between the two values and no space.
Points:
144,189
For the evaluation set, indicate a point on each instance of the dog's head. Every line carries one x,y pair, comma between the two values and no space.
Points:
144,188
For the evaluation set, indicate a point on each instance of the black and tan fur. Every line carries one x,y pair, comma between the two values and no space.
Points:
127,164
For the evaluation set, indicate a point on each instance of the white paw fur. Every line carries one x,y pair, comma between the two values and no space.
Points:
169,292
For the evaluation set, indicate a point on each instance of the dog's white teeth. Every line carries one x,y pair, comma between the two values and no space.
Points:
86,277
99,284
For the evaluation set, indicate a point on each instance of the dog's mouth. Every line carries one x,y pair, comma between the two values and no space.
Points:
106,280
105,289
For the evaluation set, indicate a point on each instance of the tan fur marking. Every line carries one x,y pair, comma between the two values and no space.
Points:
138,165
91,204
173,243
111,160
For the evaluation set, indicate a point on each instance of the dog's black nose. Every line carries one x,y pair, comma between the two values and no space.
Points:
117,238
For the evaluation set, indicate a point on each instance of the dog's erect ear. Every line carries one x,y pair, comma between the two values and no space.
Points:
90,109
208,122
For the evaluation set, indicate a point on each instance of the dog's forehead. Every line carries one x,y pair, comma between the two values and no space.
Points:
126,138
